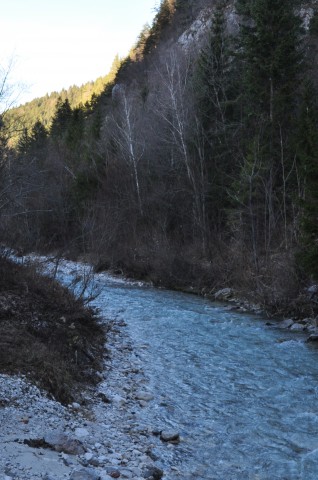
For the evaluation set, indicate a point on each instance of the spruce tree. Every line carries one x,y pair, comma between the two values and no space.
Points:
271,55
61,119
271,60
215,95
307,156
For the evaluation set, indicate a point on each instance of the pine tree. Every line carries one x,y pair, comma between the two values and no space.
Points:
162,19
39,135
214,93
271,61
307,156
24,142
271,58
75,128
61,119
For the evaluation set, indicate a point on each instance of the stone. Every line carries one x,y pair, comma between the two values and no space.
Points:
88,456
81,432
297,327
169,436
84,474
104,397
312,290
112,472
286,323
153,472
144,396
60,442
224,293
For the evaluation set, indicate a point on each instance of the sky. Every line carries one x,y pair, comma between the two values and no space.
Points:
54,44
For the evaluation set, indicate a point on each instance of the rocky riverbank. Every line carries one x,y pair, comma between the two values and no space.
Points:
307,325
99,437
91,428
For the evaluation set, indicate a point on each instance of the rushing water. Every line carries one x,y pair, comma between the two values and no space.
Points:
242,395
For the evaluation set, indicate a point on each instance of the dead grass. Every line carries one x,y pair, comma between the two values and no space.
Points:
46,333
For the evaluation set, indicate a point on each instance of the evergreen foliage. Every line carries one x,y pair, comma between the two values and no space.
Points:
213,87
161,21
307,155
271,61
61,119
271,58
43,109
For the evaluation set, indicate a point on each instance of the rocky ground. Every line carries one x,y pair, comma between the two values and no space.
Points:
98,438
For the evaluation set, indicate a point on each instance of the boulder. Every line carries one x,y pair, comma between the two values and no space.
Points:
60,442
286,323
170,436
297,327
223,294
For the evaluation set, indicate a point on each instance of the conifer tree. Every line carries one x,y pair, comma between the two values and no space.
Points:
271,54
307,155
39,135
271,60
61,119
24,142
214,93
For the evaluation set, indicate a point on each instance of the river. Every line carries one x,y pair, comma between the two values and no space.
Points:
244,396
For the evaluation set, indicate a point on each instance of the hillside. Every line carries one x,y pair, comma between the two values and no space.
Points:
197,167
43,109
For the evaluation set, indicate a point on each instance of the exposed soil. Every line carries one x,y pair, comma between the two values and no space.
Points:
46,333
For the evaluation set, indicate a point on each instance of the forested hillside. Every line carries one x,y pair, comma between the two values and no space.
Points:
197,166
22,119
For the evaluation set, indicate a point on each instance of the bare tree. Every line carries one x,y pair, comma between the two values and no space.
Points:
125,124
173,105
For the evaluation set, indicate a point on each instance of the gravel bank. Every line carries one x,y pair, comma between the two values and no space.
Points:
99,437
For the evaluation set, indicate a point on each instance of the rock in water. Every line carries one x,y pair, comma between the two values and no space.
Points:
297,327
170,436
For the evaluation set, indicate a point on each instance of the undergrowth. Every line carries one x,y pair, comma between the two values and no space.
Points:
46,333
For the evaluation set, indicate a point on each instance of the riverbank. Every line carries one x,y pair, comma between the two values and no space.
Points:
94,433
98,438
46,333
278,290
173,344
296,324
298,314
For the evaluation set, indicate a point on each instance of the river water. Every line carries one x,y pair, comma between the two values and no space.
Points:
244,396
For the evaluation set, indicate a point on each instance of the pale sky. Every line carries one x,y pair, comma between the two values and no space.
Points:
59,43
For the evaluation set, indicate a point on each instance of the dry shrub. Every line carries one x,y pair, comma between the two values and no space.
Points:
46,333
